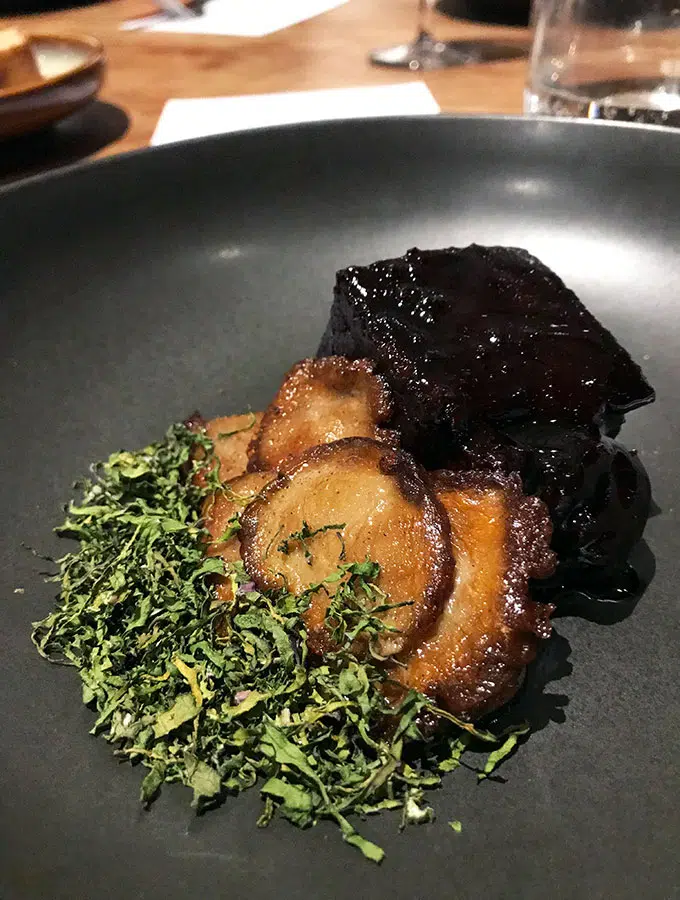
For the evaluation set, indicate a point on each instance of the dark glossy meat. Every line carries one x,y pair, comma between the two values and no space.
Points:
598,491
494,364
484,333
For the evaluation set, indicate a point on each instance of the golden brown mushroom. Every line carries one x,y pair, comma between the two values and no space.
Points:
321,401
489,630
231,436
220,511
382,509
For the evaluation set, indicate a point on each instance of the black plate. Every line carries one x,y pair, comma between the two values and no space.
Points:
135,290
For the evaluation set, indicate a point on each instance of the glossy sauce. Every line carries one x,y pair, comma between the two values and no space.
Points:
494,364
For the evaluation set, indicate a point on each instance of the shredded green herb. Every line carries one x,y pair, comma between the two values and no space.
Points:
304,536
233,527
225,698
252,419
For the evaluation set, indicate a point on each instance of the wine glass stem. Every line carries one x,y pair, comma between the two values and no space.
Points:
423,16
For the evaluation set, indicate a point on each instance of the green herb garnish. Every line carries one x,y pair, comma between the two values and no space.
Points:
305,534
233,527
224,697
223,435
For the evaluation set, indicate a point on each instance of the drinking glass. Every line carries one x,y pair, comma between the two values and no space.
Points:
425,52
606,59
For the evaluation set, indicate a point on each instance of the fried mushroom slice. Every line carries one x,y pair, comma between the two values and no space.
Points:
378,498
489,630
221,511
231,436
321,401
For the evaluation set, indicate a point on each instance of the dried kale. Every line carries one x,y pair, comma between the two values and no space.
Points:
225,698
305,534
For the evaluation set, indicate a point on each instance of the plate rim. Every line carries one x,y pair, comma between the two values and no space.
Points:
177,147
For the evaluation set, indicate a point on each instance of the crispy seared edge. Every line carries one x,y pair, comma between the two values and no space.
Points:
335,373
527,547
527,554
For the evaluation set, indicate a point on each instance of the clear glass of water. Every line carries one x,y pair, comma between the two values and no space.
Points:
606,59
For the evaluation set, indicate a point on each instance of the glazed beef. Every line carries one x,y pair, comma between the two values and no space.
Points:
480,333
494,363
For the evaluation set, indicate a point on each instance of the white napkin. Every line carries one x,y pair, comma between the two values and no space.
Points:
243,18
183,119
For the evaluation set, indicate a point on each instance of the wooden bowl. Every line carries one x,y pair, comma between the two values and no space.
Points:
72,72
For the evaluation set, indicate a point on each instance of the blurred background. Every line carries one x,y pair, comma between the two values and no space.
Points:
87,79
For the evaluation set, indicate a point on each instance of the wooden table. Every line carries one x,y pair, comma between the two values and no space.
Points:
146,69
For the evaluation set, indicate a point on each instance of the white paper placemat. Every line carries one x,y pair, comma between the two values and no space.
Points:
242,18
183,119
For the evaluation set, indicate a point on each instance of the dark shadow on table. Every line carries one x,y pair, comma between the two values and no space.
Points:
534,704
69,141
623,13
489,50
605,605
22,7
490,12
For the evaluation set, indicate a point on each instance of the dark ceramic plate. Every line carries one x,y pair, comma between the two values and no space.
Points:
135,290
